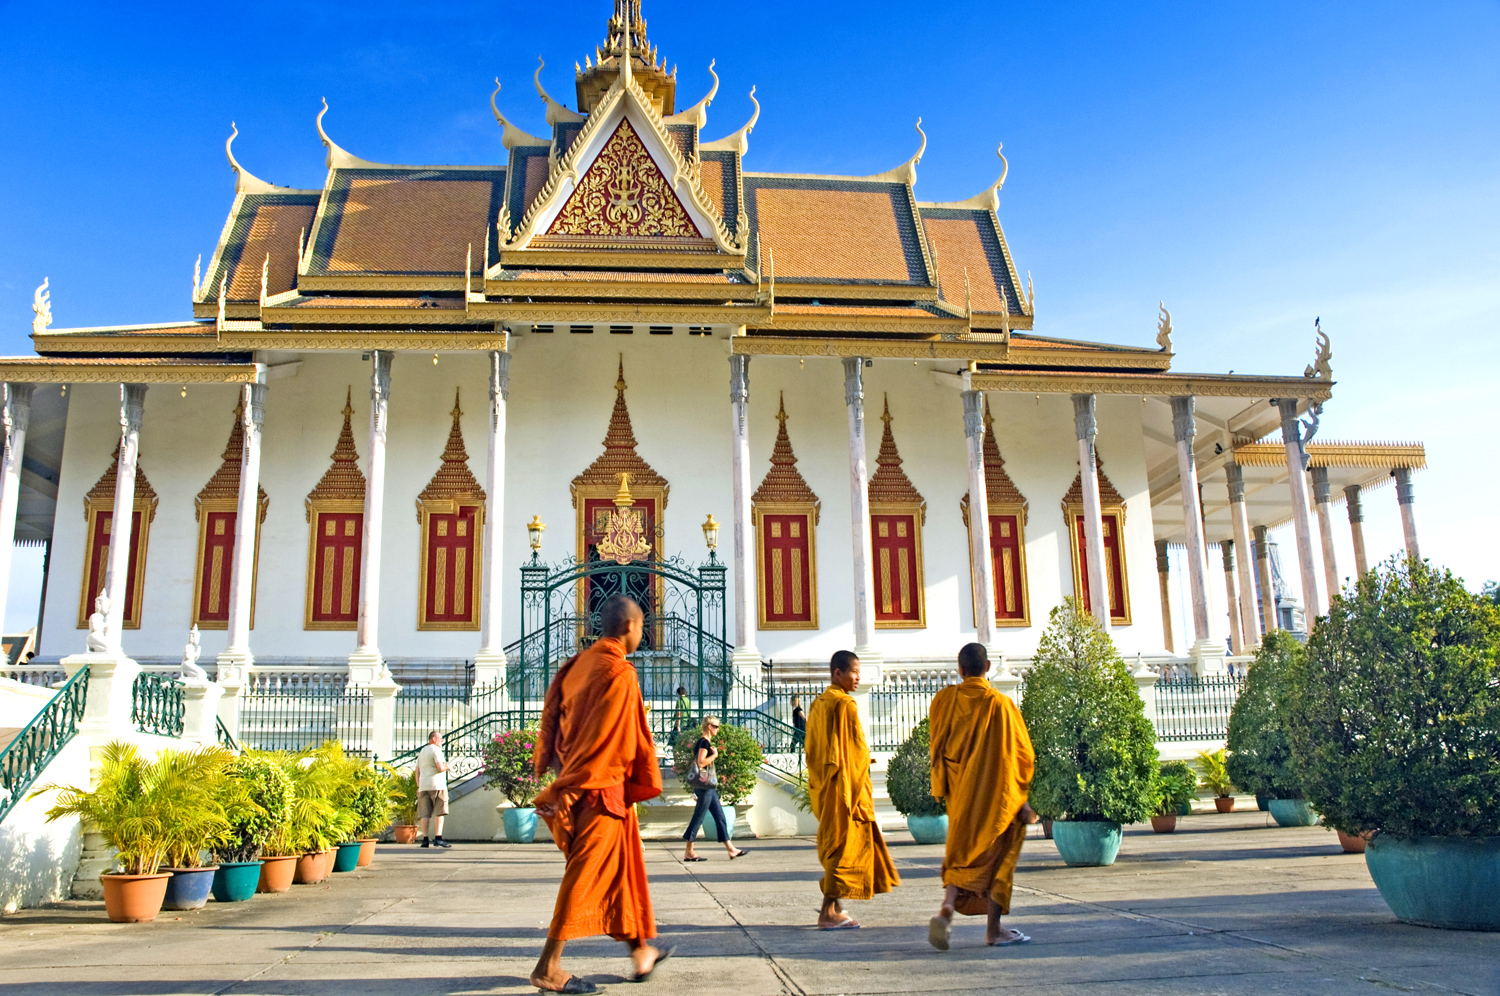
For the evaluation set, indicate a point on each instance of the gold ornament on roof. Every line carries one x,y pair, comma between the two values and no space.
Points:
624,539
1321,367
624,194
1164,328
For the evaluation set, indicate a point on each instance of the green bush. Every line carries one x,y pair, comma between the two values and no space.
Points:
1176,787
374,801
256,796
738,764
1215,767
909,777
319,816
508,765
1260,755
1095,748
1394,710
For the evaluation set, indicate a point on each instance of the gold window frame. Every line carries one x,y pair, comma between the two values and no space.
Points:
425,511
316,509
1020,512
918,515
1074,515
202,507
763,595
145,504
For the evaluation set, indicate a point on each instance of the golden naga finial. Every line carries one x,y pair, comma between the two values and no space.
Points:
1321,367
41,307
1164,328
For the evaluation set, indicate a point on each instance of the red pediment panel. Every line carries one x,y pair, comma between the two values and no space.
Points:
624,194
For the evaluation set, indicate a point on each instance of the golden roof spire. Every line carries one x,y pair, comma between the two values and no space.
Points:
626,33
619,449
343,480
890,485
454,479
783,483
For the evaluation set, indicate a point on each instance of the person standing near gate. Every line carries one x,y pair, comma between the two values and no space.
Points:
681,714
704,782
432,790
856,862
594,736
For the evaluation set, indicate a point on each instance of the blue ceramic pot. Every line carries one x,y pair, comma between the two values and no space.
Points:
347,857
1292,812
1087,843
1447,882
188,888
520,825
1263,803
711,830
235,881
928,829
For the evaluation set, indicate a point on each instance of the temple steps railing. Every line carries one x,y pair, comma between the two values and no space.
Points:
28,753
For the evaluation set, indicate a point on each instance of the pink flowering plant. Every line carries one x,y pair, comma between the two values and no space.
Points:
507,765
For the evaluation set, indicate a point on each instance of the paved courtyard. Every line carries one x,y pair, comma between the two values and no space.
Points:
1228,904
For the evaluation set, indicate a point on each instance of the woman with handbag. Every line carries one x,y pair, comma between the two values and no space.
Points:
704,782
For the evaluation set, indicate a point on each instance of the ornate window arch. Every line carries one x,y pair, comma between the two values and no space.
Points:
786,551
897,514
1007,512
335,536
1112,517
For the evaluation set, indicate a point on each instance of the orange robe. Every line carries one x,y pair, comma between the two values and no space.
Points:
594,734
856,862
982,763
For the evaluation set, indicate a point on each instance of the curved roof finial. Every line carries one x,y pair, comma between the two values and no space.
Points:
245,182
41,308
510,135
987,199
738,141
337,158
1164,328
555,112
697,115
907,172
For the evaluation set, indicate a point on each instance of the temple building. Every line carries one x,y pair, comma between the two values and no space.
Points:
389,394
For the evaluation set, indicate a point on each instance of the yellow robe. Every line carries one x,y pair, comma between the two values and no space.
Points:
982,762
856,862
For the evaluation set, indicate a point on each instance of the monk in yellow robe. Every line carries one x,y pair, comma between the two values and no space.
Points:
982,763
856,862
595,738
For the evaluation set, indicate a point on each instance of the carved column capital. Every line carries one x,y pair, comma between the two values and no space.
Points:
739,379
1085,425
1356,510
854,383
132,406
1163,562
1404,493
17,412
1226,547
380,375
1262,547
973,413
1290,430
1236,476
254,414
1322,490
499,375
1183,426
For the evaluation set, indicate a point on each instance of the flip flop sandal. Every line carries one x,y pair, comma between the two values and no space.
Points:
694,859
939,932
1020,938
743,851
850,924
661,956
574,985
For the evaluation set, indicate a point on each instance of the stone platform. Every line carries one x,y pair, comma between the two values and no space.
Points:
1226,905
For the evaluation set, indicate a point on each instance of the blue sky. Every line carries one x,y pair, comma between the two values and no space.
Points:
1255,165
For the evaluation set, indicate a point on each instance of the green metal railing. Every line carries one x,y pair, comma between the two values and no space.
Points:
420,709
899,704
30,751
156,704
296,710
226,739
464,745
1196,708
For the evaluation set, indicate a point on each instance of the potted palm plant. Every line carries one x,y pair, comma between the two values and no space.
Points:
1215,777
322,782
908,779
404,797
1394,721
1260,755
1177,786
256,795
1095,749
374,802
195,822
508,768
737,765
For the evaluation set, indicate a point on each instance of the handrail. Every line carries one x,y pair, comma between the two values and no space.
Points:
226,739
156,704
41,740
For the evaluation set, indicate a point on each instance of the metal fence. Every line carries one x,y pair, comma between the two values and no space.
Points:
294,710
420,709
1196,708
42,739
463,746
901,702
156,704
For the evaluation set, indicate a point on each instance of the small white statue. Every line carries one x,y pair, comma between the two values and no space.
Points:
96,641
190,654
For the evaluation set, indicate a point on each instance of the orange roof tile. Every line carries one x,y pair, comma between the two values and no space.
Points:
713,183
622,276
400,226
868,311
836,230
958,245
274,229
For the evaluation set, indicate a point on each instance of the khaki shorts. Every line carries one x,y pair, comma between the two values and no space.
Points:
430,804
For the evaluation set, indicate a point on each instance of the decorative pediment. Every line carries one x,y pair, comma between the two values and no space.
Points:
783,483
1108,496
454,481
102,494
343,481
890,485
624,195
1000,489
619,456
223,489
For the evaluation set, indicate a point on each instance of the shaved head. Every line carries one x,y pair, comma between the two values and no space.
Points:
973,661
617,613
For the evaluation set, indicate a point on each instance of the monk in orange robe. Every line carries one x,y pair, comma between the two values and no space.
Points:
856,862
595,738
982,763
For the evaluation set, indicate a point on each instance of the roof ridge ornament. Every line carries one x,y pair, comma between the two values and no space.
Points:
1163,327
41,307
245,182
510,135
907,172
337,157
555,112
697,115
1321,367
197,274
987,199
737,142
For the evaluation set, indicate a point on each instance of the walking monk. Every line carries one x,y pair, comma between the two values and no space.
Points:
595,738
981,763
856,862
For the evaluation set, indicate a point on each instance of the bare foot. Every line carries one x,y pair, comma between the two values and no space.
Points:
1005,936
844,921
550,983
644,959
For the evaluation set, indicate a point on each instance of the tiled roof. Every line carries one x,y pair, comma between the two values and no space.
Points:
1108,496
890,485
191,329
720,176
347,301
859,310
836,230
620,276
967,239
453,479
262,223
528,172
686,137
406,220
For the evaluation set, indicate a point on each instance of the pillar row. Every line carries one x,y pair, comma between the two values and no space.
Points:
1086,428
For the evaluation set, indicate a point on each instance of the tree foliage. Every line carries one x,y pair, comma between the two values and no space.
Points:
1176,787
1394,714
1095,748
1260,754
737,765
908,779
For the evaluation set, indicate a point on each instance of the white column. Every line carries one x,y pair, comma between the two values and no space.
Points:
365,664
1296,472
979,524
1184,429
1240,519
859,515
1357,529
1269,622
746,606
242,586
1164,588
1086,427
1236,635
1405,497
1323,502
132,410
17,416
489,662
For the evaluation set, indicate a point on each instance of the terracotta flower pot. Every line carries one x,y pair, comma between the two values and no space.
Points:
1164,824
313,867
1354,844
134,898
366,851
276,873
1224,803
404,833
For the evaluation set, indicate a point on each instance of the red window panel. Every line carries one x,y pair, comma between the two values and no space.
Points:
216,572
786,568
896,567
336,564
1114,565
450,566
98,566
1010,582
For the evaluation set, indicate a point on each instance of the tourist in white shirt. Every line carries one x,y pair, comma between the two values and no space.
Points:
432,790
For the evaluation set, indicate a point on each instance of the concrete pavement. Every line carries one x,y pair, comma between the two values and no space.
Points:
1228,904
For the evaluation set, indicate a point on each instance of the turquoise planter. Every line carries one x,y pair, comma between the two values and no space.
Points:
520,825
711,830
188,888
1263,803
235,881
1187,809
1292,812
1446,882
347,857
1087,843
928,829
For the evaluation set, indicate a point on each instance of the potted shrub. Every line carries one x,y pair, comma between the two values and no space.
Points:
256,795
1095,748
404,798
374,803
1176,787
195,823
1260,755
1394,721
1215,768
508,768
315,823
738,764
908,780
